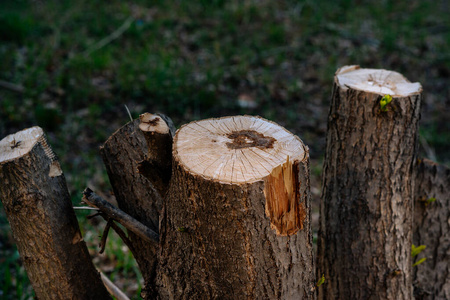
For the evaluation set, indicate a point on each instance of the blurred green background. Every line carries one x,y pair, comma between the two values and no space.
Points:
72,66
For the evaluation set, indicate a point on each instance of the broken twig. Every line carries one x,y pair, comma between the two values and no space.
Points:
112,212
112,288
105,236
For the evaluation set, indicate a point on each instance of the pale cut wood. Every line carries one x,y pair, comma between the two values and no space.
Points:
236,220
377,81
364,245
236,149
431,228
38,206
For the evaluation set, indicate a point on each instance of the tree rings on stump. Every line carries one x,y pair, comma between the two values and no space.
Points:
236,221
244,150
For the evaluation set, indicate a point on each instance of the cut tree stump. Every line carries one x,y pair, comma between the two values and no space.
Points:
126,157
236,219
37,204
364,246
431,228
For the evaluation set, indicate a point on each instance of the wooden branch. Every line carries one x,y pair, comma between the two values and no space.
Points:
123,236
105,236
113,289
112,212
38,206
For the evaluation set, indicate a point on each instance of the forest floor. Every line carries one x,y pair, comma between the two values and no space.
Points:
72,66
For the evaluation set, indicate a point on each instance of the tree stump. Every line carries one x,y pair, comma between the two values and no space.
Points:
38,206
124,154
432,228
364,246
236,219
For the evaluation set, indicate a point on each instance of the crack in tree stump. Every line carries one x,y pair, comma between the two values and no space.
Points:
236,219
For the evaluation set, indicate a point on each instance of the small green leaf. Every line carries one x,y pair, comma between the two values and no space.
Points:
419,261
385,101
416,250
181,229
431,200
321,280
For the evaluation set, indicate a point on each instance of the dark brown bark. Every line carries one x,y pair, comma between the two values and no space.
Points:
123,153
364,246
157,166
217,241
38,206
431,228
113,213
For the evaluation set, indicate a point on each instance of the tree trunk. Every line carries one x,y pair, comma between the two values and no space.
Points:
124,153
44,225
236,219
432,228
364,247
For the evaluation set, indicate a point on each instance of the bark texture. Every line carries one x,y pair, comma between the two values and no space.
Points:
364,246
157,166
38,206
432,229
122,154
217,242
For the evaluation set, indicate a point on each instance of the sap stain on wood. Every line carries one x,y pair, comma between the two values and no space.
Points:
249,138
282,191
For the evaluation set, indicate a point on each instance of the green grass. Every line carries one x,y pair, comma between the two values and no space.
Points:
192,60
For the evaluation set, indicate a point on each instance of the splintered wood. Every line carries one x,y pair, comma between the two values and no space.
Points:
282,199
237,213
247,149
236,149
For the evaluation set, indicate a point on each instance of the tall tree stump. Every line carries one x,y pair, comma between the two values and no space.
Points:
236,219
139,175
365,236
432,228
37,203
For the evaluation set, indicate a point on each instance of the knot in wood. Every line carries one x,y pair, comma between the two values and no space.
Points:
249,138
153,122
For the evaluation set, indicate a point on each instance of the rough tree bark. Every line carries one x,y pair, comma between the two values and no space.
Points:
432,228
38,206
236,219
129,162
364,246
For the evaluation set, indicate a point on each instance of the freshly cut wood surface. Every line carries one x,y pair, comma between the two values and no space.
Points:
376,81
37,204
20,143
236,149
236,219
